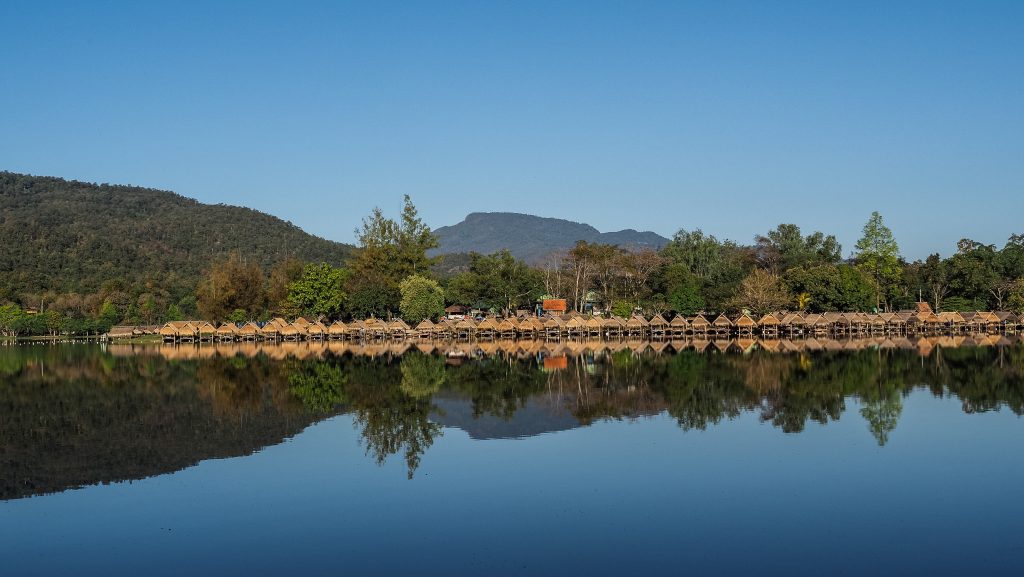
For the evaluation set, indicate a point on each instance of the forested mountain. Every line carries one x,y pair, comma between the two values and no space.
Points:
531,238
69,236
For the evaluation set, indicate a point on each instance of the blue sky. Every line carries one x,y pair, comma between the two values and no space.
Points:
726,116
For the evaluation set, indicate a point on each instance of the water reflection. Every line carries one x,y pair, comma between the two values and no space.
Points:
76,415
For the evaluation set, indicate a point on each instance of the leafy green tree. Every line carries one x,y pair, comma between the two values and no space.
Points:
174,313
389,252
10,318
833,287
719,267
1015,300
319,385
684,298
107,318
785,248
497,281
320,291
973,272
238,316
879,256
421,298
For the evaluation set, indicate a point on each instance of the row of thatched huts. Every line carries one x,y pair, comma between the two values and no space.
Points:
792,324
526,348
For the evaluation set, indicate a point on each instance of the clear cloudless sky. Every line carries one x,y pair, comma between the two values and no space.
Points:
727,116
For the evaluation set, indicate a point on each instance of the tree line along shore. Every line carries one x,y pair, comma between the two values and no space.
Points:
391,275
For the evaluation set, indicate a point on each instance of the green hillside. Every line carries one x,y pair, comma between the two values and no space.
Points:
69,236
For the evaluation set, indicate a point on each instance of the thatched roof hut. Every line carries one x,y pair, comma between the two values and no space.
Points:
745,322
768,320
700,323
722,322
337,329
226,330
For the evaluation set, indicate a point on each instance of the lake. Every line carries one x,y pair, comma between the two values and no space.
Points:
552,459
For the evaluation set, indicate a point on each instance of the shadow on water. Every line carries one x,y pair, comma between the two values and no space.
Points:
72,416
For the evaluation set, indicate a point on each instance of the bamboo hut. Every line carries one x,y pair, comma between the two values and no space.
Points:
678,326
722,326
186,332
613,326
792,324
374,328
316,331
553,327
575,326
769,325
508,328
487,328
700,325
659,327
227,332
270,331
169,332
337,330
290,332
636,326
425,329
250,331
398,329
745,325
465,329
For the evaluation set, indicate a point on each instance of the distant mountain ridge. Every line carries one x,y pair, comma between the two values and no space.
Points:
532,238
66,235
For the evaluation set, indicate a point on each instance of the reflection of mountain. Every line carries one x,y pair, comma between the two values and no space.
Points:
538,415
68,423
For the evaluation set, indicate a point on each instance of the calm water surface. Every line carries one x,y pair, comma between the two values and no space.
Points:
871,462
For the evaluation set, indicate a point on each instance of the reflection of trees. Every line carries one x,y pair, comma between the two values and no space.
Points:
318,384
74,415
403,426
422,375
882,414
392,421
